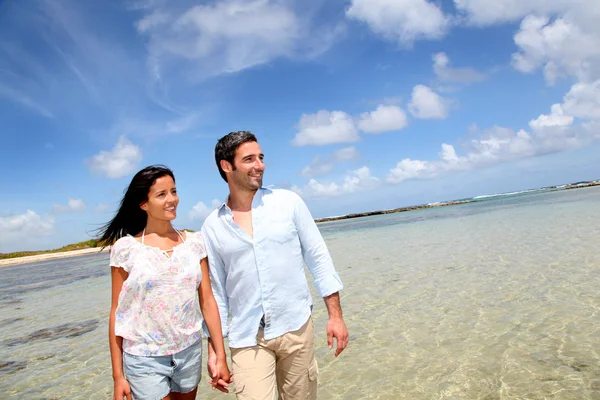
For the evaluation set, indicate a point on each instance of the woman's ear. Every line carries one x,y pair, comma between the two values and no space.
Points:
144,205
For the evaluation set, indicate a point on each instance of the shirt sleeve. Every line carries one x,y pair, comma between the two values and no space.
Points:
315,253
197,239
121,254
218,278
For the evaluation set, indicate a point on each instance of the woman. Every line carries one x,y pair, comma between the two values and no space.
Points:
158,277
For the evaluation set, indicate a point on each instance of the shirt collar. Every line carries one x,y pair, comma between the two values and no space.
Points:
259,194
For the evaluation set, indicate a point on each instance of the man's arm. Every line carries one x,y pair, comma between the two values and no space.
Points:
328,283
336,327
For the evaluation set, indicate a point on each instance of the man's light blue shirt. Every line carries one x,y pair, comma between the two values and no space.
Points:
264,275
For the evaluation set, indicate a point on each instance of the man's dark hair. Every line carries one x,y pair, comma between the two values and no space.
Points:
228,144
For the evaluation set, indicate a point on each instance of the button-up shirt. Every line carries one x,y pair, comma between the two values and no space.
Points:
263,274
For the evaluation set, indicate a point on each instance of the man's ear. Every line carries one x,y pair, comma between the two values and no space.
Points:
226,166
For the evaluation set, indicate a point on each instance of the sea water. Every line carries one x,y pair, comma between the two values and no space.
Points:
496,299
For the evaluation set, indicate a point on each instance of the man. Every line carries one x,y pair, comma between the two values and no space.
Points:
257,243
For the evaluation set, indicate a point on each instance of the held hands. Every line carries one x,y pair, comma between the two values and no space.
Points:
219,372
336,328
122,389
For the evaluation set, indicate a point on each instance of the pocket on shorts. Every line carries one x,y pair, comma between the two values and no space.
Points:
136,366
313,374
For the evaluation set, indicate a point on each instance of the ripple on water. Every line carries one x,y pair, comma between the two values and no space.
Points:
8,321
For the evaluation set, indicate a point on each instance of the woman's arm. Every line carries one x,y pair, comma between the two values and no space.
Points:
121,386
210,312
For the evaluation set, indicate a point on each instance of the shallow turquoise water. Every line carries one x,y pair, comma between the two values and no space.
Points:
490,300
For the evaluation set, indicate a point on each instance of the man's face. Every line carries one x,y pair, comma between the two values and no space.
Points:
248,167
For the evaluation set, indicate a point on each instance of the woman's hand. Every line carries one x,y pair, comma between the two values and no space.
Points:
122,389
219,372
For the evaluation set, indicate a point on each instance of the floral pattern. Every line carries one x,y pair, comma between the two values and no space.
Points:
158,312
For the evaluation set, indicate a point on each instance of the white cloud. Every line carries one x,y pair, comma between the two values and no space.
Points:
122,160
200,211
230,36
21,229
560,36
426,104
411,169
325,128
385,118
403,21
323,165
554,119
488,12
446,73
73,205
559,130
358,180
101,207
498,144
551,45
316,189
583,100
355,181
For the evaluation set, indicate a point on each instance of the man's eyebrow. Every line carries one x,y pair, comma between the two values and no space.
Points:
252,155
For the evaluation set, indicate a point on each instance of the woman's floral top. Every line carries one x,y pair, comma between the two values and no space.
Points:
158,311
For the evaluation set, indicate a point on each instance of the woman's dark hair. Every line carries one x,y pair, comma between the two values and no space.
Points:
227,145
130,218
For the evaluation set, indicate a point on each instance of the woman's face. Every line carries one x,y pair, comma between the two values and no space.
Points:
162,200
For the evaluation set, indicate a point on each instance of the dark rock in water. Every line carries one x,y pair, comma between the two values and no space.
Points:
57,332
580,366
9,367
42,358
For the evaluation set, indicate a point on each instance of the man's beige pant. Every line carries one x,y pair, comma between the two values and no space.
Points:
284,365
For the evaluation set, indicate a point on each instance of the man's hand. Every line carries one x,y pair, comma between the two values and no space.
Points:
218,370
336,328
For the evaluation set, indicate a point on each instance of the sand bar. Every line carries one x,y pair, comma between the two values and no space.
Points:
49,256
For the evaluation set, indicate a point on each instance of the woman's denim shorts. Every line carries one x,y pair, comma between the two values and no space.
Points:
154,377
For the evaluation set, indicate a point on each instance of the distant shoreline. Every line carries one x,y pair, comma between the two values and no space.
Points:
393,210
74,253
449,203
50,256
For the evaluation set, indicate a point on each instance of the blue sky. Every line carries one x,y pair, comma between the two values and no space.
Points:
358,105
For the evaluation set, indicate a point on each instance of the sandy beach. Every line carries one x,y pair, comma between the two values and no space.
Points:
49,256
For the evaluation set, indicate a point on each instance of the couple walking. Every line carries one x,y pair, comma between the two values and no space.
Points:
247,262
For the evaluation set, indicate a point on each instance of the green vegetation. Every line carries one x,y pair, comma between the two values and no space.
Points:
88,244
